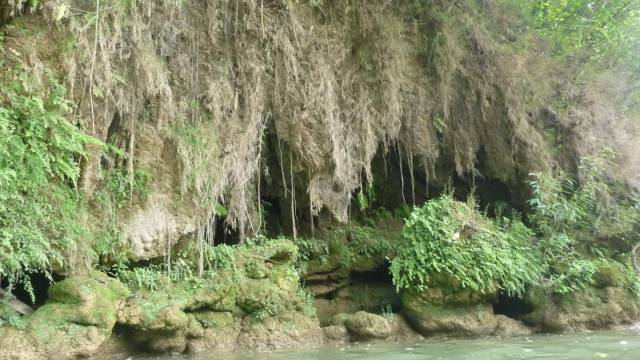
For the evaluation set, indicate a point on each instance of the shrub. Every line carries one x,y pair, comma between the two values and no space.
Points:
39,153
450,239
572,217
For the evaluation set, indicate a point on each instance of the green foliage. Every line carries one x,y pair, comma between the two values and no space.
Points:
142,277
121,186
565,210
632,279
39,153
387,312
579,274
315,3
451,239
366,242
571,216
308,301
601,27
111,248
10,317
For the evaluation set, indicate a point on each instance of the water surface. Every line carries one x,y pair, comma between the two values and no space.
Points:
601,345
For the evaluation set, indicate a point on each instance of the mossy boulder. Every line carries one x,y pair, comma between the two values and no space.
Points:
15,344
464,314
355,296
508,327
258,294
336,333
592,308
75,321
284,330
256,269
366,326
610,274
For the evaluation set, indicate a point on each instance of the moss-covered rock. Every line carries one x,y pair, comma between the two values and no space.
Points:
284,330
75,321
463,314
258,294
610,274
365,326
508,327
336,333
592,308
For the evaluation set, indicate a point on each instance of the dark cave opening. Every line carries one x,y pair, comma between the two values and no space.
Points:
376,290
271,216
40,284
512,306
223,233
399,182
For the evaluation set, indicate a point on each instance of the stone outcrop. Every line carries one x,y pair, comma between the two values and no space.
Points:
254,304
364,326
78,317
593,308
462,313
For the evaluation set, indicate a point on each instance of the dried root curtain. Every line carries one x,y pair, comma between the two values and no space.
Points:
335,85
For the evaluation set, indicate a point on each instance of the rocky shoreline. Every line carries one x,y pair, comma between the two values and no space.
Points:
262,307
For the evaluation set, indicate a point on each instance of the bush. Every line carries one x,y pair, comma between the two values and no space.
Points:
573,218
603,28
39,153
592,208
451,239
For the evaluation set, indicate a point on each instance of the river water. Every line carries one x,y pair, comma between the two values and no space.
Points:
623,345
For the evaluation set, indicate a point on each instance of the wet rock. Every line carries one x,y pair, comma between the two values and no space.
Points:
462,314
76,320
365,326
336,333
589,309
283,331
460,321
508,327
255,304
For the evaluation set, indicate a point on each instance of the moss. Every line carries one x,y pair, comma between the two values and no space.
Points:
610,274
79,315
590,308
214,319
255,269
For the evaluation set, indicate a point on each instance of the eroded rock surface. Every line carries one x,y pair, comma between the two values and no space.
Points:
255,304
75,322
462,313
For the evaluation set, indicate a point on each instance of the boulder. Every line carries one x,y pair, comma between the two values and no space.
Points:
336,333
254,304
76,320
508,327
463,314
365,326
591,308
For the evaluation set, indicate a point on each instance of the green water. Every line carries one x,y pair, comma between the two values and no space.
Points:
601,345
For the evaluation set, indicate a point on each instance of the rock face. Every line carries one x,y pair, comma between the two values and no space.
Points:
598,307
347,279
77,319
256,304
462,313
364,326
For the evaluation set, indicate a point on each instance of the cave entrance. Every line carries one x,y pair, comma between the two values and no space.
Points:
358,290
373,291
223,234
511,306
40,285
